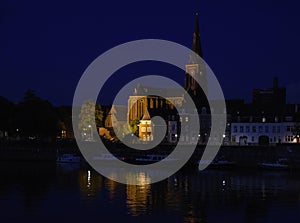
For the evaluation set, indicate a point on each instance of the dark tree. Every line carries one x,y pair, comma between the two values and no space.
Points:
37,118
6,116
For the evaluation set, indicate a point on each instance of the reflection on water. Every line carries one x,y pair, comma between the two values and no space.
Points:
90,183
47,192
138,199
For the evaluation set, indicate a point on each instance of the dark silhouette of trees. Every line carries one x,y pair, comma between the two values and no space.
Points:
6,117
36,118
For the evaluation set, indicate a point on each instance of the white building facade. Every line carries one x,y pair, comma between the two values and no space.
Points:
263,133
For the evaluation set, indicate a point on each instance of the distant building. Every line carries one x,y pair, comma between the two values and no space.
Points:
270,100
264,133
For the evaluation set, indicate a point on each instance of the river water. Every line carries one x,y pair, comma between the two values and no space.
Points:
45,192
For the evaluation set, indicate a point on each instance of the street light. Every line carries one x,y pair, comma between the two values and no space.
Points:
91,133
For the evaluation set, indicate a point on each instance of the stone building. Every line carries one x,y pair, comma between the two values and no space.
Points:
146,99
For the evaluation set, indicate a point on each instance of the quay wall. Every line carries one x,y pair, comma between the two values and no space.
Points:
244,156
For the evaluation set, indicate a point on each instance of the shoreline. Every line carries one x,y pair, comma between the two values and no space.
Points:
243,156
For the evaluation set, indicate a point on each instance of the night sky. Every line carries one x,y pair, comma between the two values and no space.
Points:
47,45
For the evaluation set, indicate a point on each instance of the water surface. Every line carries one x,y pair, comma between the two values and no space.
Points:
37,192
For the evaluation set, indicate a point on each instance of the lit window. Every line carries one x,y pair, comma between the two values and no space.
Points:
151,103
186,119
233,138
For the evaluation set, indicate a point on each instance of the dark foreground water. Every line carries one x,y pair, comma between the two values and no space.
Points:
70,193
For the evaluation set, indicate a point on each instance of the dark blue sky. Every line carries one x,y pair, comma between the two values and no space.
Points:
46,45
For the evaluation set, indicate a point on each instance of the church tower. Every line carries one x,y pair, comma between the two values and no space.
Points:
196,70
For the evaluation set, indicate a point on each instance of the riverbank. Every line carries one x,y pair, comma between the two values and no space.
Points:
242,156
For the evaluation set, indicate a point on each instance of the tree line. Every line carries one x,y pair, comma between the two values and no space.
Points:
34,119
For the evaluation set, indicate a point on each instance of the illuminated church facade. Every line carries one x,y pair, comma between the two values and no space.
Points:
144,102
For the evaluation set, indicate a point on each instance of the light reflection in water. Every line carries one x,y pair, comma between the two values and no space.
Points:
187,196
90,183
88,178
138,196
193,193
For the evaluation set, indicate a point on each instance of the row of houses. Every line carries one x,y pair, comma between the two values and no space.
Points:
246,130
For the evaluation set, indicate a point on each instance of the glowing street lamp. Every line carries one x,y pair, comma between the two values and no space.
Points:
91,133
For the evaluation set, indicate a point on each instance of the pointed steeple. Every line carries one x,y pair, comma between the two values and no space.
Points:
146,115
196,47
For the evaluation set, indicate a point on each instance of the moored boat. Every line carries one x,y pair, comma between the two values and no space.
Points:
152,158
217,163
280,164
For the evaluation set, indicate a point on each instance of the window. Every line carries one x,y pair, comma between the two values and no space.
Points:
278,129
253,128
241,128
143,129
260,129
274,129
247,128
252,138
266,129
151,103
186,119
173,127
289,138
235,129
233,138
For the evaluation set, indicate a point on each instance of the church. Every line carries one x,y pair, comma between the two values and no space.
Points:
144,102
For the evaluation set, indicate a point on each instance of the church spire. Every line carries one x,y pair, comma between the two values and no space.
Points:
196,47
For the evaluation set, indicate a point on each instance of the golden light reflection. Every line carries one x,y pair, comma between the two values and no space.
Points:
89,182
138,178
111,186
138,197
